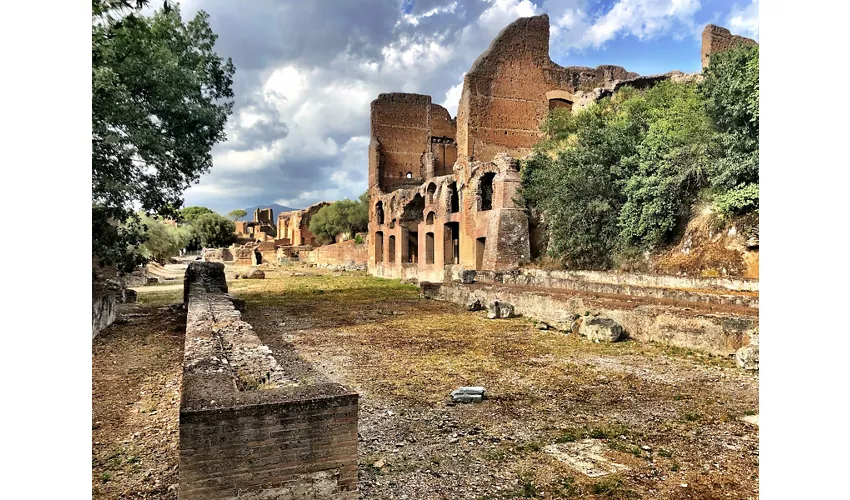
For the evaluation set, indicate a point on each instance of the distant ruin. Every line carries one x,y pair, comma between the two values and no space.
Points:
293,228
258,230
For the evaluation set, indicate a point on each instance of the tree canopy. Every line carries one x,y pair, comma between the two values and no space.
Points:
341,217
160,100
618,177
237,214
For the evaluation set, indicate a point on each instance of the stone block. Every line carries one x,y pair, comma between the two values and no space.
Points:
601,328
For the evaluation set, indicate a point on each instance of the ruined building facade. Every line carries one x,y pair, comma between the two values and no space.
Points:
293,228
444,191
258,230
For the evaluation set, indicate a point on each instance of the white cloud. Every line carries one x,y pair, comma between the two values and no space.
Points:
414,20
453,97
745,21
299,132
573,28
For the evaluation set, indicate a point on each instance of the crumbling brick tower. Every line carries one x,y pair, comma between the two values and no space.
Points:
443,191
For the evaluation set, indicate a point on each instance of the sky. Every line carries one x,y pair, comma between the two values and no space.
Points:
307,70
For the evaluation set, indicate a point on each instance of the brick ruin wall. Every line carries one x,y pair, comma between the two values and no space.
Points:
717,39
346,255
294,226
511,87
254,424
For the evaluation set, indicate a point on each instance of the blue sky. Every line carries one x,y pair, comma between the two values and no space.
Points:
307,71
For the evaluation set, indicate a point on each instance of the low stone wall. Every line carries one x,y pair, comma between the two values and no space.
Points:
706,290
347,255
104,306
254,424
659,320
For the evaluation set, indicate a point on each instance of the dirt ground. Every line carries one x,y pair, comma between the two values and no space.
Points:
671,416
136,370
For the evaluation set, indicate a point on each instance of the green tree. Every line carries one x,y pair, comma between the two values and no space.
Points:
160,100
162,240
189,214
237,214
214,231
341,217
731,93
671,165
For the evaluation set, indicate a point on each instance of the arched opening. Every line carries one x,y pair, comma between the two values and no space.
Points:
480,245
430,218
409,175
560,104
379,212
391,249
379,246
432,189
560,99
454,199
429,248
451,243
485,191
413,210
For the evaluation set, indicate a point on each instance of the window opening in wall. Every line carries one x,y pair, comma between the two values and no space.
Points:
432,188
379,212
412,247
429,248
560,103
451,243
479,252
409,175
391,249
430,219
379,246
485,191
454,202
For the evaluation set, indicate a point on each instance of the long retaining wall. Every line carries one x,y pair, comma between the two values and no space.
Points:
715,328
256,424
705,290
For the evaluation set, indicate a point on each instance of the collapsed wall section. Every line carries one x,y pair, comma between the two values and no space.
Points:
717,39
511,88
251,426
400,129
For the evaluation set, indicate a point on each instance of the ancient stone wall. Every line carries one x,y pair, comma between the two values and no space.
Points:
104,306
717,39
511,87
400,127
251,426
689,325
347,255
294,226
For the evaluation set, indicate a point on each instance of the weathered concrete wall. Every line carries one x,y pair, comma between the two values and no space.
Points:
347,255
717,39
254,424
695,327
104,305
